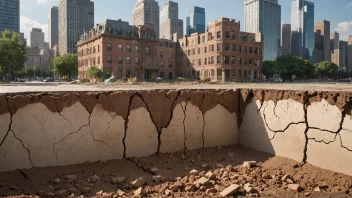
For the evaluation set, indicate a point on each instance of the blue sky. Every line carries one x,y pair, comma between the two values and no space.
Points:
34,12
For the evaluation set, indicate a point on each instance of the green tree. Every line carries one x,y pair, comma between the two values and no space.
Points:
291,65
270,68
66,65
13,53
95,72
326,68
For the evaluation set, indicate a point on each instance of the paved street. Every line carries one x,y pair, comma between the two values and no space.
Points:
53,87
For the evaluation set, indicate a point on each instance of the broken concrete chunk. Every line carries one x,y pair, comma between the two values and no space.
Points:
201,181
230,190
249,164
190,188
317,189
194,172
210,190
248,188
210,175
138,182
295,187
158,178
139,192
120,193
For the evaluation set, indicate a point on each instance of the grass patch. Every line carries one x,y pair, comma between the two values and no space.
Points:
4,82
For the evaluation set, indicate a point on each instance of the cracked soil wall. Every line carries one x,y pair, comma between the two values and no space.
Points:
53,129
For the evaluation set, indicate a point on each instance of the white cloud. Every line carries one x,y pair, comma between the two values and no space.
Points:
27,24
345,29
348,5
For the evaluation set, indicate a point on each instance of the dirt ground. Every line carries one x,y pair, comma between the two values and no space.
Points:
216,168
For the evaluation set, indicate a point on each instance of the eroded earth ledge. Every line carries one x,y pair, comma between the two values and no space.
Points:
65,128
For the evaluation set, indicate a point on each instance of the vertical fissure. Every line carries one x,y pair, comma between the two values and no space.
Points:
126,127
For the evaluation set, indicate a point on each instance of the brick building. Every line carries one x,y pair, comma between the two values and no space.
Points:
122,50
223,53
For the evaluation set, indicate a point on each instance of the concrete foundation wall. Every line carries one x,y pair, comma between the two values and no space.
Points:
39,130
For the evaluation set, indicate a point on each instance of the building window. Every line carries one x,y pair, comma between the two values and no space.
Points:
170,64
98,59
198,50
170,55
212,48
239,37
161,54
218,60
245,61
227,46
233,35
219,47
240,60
147,50
193,51
128,60
128,48
212,60
119,74
203,39
119,48
227,34
250,61
233,60
200,62
94,50
205,50
136,60
120,61
161,74
137,48
245,49
170,75
240,48
109,60
250,50
227,59
233,47
218,35
128,73
161,64
189,52
108,46
205,61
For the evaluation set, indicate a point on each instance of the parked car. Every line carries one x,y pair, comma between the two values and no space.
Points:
49,79
276,80
20,80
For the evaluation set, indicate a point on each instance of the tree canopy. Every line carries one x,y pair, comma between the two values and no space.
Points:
291,65
95,72
270,68
66,65
326,68
13,53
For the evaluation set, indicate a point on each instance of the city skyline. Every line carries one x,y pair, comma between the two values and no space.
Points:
326,10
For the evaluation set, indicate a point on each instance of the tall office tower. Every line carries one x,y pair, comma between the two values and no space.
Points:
10,15
322,40
169,21
53,27
147,11
334,46
343,55
36,38
264,16
285,39
195,21
302,29
349,54
75,17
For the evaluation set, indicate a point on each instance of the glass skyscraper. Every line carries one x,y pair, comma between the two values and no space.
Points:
302,27
10,15
265,16
195,21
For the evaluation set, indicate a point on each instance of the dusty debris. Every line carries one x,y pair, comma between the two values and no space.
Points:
139,192
230,190
138,182
154,170
120,193
295,187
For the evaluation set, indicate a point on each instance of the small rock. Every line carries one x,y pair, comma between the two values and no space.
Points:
233,188
57,180
295,187
139,192
285,177
194,172
307,194
158,178
201,181
95,179
70,178
249,164
183,156
225,174
210,175
248,188
317,189
154,170
120,193
231,155
167,192
190,188
219,166
203,188
290,181
86,190
210,190
61,192
229,168
138,182
13,188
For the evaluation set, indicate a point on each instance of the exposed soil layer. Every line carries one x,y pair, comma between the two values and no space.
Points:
270,178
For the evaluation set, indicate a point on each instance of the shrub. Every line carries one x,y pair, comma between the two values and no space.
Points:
205,80
84,80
